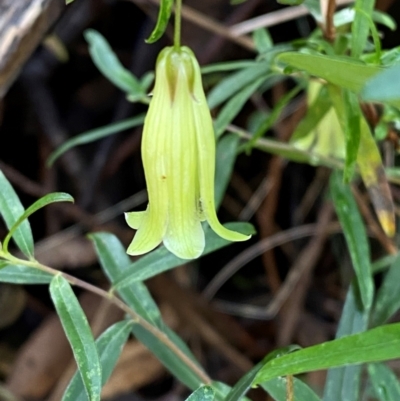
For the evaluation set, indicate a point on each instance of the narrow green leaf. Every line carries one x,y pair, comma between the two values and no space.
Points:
314,7
331,68
230,85
16,274
107,62
384,19
290,2
352,132
344,16
226,156
356,237
360,27
222,390
234,105
162,21
262,40
276,388
115,262
243,385
225,66
40,203
79,335
354,319
145,82
385,383
376,56
382,263
391,57
109,347
387,299
379,344
203,393
161,260
344,383
347,15
95,135
11,209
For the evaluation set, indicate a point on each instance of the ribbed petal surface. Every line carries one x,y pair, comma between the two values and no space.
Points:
206,161
184,236
158,121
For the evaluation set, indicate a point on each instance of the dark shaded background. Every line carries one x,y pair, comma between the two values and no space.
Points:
53,100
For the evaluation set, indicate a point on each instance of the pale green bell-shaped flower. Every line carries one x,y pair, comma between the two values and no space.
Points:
178,152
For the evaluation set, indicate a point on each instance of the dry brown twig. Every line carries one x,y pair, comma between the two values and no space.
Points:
328,8
258,249
170,292
292,293
274,18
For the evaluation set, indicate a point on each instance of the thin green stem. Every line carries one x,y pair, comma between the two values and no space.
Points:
177,26
161,336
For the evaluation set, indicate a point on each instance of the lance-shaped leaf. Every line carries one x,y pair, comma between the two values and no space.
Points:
355,234
16,274
109,347
162,21
95,135
109,65
387,299
382,343
373,174
361,26
11,209
331,68
348,114
40,203
203,393
344,383
384,381
79,335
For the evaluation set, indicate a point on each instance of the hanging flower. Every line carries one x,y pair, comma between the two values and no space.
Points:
178,152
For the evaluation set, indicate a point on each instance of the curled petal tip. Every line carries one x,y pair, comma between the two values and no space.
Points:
134,219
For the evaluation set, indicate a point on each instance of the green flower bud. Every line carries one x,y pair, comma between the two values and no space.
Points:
178,153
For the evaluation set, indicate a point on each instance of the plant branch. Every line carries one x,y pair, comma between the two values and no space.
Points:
329,29
121,305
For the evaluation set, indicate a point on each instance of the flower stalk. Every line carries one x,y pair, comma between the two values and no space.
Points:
177,25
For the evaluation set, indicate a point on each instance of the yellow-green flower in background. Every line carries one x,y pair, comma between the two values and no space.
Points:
178,152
